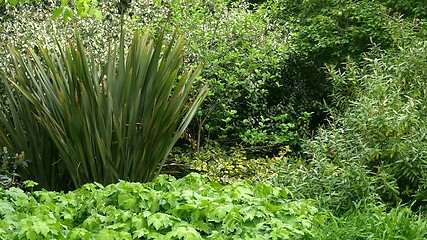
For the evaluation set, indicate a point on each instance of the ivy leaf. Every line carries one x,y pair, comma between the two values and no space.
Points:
127,200
38,226
232,221
79,233
30,183
16,193
218,212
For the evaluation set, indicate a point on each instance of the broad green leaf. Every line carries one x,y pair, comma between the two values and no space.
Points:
184,232
30,183
141,232
6,208
16,193
160,221
79,233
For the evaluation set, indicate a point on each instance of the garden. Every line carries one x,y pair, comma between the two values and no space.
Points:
213,119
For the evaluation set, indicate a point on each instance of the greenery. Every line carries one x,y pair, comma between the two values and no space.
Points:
383,128
21,132
188,208
83,8
97,114
314,127
368,220
231,165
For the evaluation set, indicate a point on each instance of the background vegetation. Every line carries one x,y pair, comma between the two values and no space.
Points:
323,98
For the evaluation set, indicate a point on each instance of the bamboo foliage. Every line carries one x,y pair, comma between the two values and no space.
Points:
114,120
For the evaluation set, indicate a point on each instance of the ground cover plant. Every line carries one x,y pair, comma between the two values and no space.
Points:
188,208
229,165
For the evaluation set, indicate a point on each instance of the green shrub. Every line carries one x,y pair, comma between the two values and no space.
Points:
188,208
321,33
334,185
411,9
21,132
384,127
243,54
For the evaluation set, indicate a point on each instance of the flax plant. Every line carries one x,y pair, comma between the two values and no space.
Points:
117,119
20,132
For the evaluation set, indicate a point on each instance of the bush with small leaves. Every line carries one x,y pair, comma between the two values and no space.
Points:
384,127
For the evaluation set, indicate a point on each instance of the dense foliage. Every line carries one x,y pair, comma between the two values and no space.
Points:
373,145
243,74
188,208
368,220
325,98
384,128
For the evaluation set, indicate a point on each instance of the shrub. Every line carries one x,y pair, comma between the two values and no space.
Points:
334,185
321,33
97,115
243,54
383,129
21,132
411,9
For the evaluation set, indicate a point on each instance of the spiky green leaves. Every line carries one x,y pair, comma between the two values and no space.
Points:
112,120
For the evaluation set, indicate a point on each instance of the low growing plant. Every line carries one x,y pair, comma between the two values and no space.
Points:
228,165
369,220
188,208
